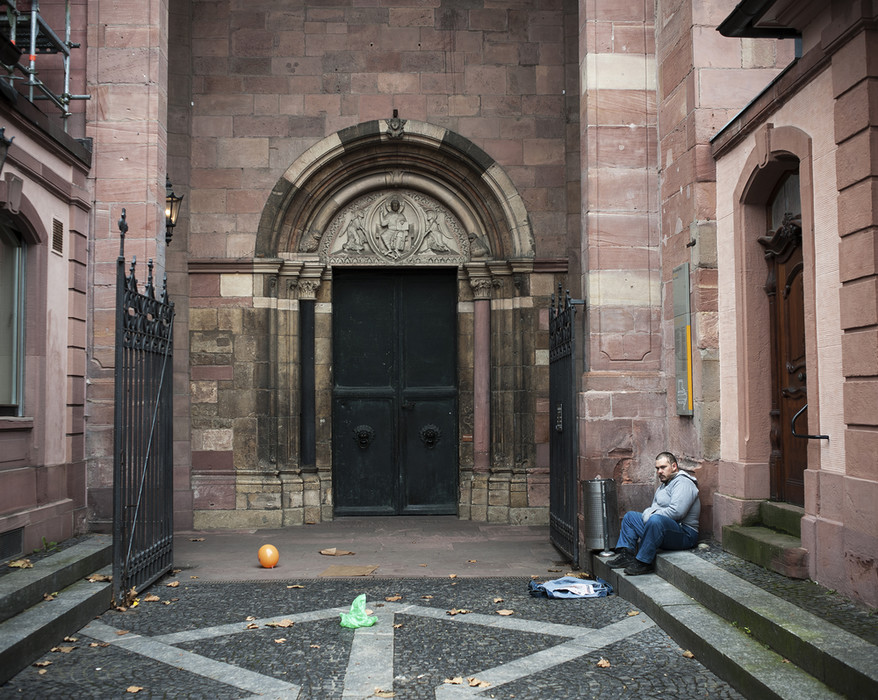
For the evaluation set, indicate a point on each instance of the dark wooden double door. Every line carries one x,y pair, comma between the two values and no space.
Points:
394,403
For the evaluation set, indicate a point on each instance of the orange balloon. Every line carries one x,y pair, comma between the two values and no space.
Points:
268,556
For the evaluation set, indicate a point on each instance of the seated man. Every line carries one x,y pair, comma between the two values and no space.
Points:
671,522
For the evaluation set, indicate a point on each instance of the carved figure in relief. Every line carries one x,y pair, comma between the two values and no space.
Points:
394,228
356,233
436,237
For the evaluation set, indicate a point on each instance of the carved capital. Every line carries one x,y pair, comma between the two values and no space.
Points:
308,287
483,286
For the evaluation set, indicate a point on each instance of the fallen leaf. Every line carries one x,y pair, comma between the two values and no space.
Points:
282,623
452,575
534,577
688,654
457,680
384,693
252,626
174,572
42,663
196,539
554,571
476,683
393,598
21,564
166,602
172,584
422,565
121,632
426,597
193,577
249,618
99,578
632,613
334,552
151,598
498,600
397,625
472,561
603,663
135,603
63,650
133,689
369,612
99,644
505,613
315,646
174,600
457,611
48,596
786,661
280,641
71,639
120,608
295,586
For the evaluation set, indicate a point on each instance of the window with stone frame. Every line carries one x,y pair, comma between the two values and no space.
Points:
12,267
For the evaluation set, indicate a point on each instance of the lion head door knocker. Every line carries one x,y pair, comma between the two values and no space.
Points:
364,435
430,435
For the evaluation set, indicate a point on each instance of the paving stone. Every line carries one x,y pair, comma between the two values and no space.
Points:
199,645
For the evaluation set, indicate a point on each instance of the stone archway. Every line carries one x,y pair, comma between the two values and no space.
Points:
455,209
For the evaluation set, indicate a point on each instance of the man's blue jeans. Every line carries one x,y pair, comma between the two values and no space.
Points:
658,531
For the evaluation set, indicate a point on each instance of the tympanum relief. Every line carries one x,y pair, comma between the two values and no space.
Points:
386,228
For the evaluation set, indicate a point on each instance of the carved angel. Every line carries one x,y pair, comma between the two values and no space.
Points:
436,236
356,233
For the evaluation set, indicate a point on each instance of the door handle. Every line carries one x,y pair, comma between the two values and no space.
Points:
804,437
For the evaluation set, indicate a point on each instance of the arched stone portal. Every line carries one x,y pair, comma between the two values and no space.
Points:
396,196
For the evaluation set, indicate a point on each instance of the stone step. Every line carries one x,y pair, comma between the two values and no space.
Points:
31,625
729,651
845,662
24,588
784,517
773,550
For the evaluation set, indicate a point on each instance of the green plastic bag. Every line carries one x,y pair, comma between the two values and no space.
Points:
357,617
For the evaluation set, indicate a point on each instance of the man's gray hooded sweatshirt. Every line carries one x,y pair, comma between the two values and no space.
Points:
678,500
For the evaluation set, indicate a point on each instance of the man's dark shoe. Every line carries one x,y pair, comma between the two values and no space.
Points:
624,557
637,567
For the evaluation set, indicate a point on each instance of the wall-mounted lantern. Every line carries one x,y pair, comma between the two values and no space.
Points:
172,210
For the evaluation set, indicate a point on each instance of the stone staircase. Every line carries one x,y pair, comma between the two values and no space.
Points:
30,625
762,645
774,542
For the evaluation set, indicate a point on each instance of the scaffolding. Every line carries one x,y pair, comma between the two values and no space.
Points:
18,26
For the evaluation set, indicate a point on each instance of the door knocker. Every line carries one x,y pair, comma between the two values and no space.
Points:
430,435
364,435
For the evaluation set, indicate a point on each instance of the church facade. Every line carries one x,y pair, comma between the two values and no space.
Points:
382,199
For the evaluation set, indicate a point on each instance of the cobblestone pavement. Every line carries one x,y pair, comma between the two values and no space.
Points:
217,640
817,600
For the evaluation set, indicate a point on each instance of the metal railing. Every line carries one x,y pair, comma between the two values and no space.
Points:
143,467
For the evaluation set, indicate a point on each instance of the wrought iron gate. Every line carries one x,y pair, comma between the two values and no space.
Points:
563,433
143,437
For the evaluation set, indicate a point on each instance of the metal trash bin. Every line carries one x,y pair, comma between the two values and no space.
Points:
601,514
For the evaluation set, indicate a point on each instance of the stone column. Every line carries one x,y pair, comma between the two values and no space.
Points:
482,284
309,283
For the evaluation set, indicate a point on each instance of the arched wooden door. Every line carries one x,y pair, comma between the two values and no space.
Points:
785,289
